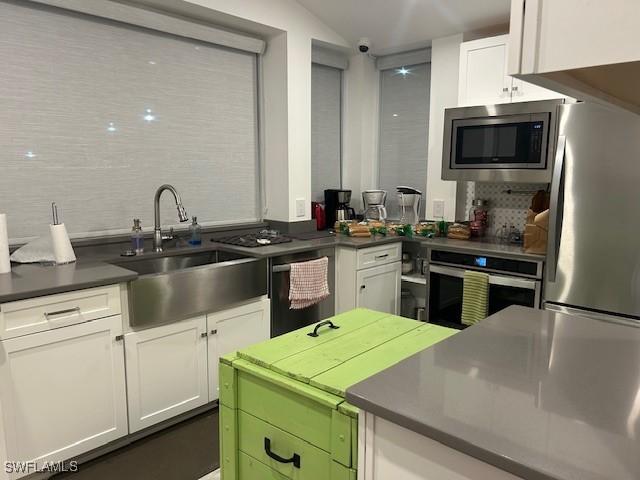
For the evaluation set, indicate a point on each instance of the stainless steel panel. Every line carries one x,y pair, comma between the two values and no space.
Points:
182,286
486,112
283,319
590,314
598,265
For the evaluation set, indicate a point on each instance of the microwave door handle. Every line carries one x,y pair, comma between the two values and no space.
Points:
556,206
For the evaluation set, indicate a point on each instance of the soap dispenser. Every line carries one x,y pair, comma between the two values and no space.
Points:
137,237
195,232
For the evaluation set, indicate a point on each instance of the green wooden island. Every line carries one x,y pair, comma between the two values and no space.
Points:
282,408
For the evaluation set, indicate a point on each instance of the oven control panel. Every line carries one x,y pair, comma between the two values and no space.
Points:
489,263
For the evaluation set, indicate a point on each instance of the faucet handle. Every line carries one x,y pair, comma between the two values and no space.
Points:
168,236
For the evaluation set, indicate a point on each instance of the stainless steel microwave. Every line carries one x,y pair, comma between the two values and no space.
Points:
512,142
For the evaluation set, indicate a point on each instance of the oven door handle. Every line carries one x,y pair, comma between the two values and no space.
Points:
501,280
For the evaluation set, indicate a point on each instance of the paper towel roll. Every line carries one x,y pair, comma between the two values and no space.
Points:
5,263
62,248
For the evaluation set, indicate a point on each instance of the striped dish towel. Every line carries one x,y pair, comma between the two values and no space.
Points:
308,283
475,297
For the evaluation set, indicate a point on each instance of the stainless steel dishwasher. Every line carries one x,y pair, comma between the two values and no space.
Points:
283,319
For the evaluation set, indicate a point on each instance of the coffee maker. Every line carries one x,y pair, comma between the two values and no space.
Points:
409,202
374,201
336,205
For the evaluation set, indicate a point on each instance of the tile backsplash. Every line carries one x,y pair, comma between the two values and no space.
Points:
509,208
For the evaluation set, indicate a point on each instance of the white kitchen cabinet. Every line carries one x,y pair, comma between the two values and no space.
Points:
233,329
484,79
379,288
387,450
369,278
166,371
63,391
585,49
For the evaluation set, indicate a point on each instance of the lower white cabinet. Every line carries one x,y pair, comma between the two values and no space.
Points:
389,451
166,371
379,288
233,329
369,278
62,392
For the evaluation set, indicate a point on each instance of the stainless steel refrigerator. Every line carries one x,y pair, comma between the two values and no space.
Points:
593,259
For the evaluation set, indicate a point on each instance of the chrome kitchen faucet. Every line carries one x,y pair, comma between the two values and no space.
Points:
182,214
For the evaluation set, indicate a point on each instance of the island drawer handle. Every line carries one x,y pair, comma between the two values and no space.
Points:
267,448
320,325
380,257
62,312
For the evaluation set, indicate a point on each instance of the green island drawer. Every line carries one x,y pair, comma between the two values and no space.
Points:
295,385
253,434
252,469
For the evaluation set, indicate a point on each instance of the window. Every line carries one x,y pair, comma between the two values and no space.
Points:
326,130
96,114
404,131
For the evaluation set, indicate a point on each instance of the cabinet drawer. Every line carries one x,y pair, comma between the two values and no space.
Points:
288,455
39,314
252,469
374,256
291,412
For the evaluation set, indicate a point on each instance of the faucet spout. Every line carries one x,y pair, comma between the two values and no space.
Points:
182,213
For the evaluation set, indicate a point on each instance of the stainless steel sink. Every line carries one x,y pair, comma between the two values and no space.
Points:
175,287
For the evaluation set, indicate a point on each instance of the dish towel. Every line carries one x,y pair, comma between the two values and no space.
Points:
475,297
308,283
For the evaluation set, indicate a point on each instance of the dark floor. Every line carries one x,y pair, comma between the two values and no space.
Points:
186,451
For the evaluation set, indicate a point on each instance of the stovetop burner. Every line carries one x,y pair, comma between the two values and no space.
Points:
253,240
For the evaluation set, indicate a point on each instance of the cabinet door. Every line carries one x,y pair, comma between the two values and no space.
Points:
379,288
166,371
232,330
483,72
63,391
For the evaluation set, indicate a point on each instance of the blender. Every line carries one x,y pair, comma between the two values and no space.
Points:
409,202
374,201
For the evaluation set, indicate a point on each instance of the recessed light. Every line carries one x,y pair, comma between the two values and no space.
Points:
30,154
111,127
403,71
395,114
149,116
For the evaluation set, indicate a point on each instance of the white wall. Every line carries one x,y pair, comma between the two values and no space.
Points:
290,60
445,55
360,127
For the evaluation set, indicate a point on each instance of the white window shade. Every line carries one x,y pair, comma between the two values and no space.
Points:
326,128
95,115
404,131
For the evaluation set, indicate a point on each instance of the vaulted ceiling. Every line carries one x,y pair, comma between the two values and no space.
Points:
394,25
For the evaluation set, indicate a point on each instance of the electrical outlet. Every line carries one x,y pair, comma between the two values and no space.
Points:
438,208
300,204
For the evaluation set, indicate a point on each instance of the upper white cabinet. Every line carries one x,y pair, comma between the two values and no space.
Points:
62,392
583,48
233,329
166,371
484,79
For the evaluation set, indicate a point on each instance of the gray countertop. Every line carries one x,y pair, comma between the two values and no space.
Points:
539,394
33,280
92,268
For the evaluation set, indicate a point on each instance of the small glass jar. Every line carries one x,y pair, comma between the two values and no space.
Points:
478,217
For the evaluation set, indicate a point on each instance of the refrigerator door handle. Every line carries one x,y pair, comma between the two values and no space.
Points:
556,206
